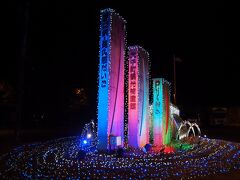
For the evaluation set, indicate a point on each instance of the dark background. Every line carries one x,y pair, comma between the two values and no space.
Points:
61,46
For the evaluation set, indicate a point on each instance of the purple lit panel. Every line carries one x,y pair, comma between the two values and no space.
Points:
138,97
133,121
116,85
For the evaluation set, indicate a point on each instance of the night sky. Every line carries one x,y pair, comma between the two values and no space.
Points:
62,48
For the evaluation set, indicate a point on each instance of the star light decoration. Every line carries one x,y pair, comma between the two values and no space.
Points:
58,159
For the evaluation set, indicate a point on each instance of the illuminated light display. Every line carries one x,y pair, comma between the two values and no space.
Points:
167,121
186,128
169,150
138,97
157,112
162,121
111,77
175,120
60,159
88,138
78,158
150,124
174,110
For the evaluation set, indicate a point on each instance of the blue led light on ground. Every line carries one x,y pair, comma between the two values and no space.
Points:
60,159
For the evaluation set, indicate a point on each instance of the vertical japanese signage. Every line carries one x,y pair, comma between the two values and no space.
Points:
104,49
161,111
138,97
103,84
157,111
133,79
133,122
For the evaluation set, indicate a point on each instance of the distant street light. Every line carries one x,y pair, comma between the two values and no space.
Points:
175,59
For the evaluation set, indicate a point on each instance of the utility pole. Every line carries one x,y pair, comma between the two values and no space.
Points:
174,78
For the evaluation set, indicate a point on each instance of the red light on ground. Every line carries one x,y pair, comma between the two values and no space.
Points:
169,149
